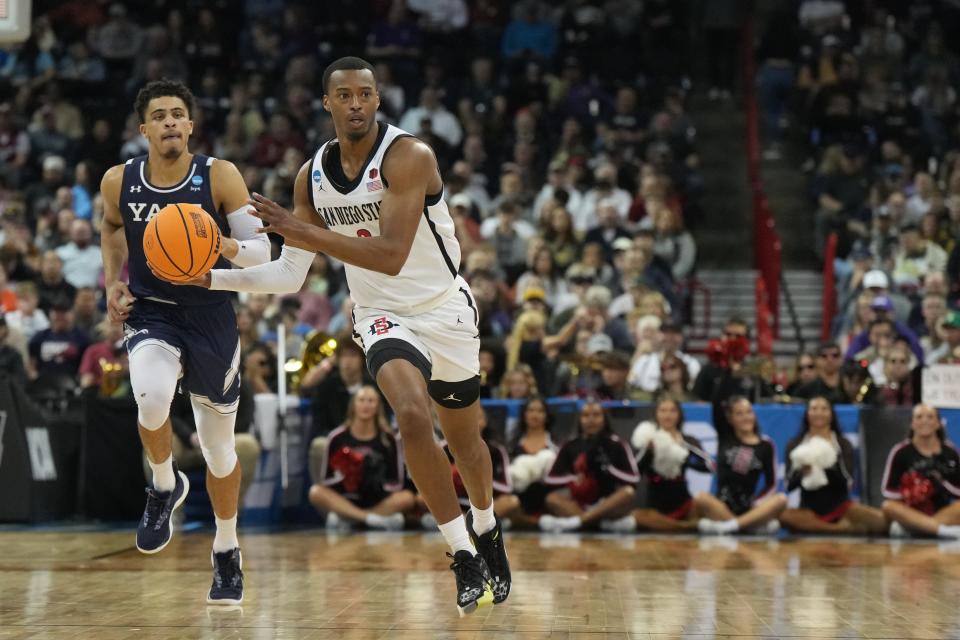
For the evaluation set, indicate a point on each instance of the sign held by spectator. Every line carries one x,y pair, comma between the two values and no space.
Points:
941,385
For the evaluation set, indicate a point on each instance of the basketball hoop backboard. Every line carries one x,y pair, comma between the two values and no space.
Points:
14,20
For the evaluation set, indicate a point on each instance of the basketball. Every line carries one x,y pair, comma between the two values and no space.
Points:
181,242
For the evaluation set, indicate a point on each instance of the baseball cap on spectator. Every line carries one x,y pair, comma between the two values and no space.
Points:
54,163
881,303
875,279
461,200
599,343
622,244
581,274
951,319
830,40
860,253
534,293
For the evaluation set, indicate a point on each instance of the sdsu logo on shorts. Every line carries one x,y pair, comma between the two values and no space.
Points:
381,326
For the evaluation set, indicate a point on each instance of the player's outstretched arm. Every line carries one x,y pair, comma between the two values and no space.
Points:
113,246
245,247
286,274
411,166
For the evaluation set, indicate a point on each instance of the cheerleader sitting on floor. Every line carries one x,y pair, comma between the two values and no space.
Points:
743,455
531,457
362,470
922,479
820,463
593,476
665,454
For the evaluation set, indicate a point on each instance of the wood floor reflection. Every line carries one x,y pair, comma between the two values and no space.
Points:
311,585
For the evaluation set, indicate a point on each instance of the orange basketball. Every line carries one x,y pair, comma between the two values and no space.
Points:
181,242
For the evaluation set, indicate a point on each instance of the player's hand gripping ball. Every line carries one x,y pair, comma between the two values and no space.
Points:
182,242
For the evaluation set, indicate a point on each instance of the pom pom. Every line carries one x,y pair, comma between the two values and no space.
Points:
668,455
642,435
524,472
818,454
545,458
918,491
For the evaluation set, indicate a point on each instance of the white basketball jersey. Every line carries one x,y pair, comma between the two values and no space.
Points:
427,277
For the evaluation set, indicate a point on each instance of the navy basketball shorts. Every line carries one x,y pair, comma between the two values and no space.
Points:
204,337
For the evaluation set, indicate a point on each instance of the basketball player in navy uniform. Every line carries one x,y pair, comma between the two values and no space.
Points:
180,336
373,199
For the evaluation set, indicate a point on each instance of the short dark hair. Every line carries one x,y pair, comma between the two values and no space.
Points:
160,89
347,63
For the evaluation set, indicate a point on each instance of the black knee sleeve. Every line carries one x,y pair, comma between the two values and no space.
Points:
455,395
389,349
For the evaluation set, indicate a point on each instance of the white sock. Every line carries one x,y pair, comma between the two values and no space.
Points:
483,519
226,537
626,524
570,522
728,526
455,533
948,531
392,522
163,478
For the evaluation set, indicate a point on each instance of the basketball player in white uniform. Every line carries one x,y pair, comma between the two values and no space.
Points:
372,198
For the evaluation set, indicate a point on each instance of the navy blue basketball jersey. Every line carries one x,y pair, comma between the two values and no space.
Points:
140,201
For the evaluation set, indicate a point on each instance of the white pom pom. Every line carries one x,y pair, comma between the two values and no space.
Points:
545,458
642,435
668,455
818,454
523,472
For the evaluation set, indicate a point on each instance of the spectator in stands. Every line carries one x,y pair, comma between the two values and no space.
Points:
820,463
529,36
718,381
932,308
14,146
119,38
81,66
605,189
857,385
259,369
561,238
332,383
28,319
542,269
826,382
804,372
884,230
51,285
592,478
915,258
82,262
841,198
109,352
675,379
673,244
883,309
86,315
272,143
614,369
509,236
52,179
609,228
431,110
921,479
518,383
949,351
55,352
11,362
559,191
361,472
897,376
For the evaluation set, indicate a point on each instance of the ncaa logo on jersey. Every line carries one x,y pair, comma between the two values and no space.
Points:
197,181
382,326
318,178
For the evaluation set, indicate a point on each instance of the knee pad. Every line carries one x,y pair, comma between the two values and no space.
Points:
455,395
215,424
154,372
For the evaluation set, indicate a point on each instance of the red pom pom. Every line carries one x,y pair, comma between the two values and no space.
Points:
350,465
917,491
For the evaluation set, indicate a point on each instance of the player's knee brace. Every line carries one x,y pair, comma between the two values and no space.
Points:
455,395
215,425
154,371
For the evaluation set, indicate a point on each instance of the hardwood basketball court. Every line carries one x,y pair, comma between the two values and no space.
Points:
94,584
